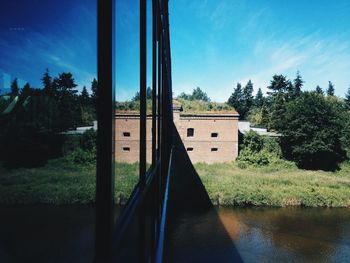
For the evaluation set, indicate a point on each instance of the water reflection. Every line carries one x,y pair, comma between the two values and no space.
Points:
292,234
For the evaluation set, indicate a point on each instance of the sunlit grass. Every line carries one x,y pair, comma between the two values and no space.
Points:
227,184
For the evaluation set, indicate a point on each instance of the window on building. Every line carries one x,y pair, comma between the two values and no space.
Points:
214,134
190,132
126,149
214,149
189,149
126,134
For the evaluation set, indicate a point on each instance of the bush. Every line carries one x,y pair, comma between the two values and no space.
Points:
258,150
79,156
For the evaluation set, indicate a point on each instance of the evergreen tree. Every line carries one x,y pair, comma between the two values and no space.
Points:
297,86
14,88
347,98
259,98
319,90
236,99
198,94
278,85
248,99
94,87
69,115
47,82
84,97
26,89
330,90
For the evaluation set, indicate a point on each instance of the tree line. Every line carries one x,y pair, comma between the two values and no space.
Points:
32,131
315,126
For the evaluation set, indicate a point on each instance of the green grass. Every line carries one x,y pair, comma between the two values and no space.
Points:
61,183
227,184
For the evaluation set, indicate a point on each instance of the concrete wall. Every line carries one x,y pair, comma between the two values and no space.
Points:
205,148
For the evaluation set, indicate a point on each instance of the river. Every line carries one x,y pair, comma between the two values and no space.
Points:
66,234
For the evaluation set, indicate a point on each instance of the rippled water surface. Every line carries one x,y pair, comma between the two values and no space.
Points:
262,235
66,234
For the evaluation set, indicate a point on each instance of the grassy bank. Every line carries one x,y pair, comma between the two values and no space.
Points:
227,184
61,183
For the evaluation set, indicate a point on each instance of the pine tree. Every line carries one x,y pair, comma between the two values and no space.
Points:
248,99
278,85
236,99
84,96
14,88
319,90
347,97
259,98
26,89
47,82
297,86
330,90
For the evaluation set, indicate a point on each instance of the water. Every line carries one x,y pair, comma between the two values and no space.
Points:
262,235
66,234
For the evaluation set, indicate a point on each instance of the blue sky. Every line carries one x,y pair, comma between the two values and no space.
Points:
215,44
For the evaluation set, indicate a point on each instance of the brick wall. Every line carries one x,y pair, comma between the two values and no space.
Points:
201,147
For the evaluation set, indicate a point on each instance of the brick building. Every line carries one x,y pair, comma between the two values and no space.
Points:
209,137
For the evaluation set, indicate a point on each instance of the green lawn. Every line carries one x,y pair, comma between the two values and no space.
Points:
227,184
62,183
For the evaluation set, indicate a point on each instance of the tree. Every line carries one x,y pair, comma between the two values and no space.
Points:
248,96
66,83
84,96
347,98
26,89
330,90
278,85
259,98
47,82
236,99
94,86
311,128
198,94
69,115
14,88
184,96
297,86
319,90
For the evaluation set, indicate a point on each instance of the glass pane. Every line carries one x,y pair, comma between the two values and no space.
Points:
127,118
48,130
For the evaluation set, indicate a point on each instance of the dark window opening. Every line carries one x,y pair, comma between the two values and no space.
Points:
214,134
126,149
214,149
126,134
190,132
189,149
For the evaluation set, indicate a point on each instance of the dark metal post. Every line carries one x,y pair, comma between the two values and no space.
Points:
105,134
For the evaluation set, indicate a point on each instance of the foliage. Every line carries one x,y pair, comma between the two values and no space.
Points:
311,133
347,98
257,150
319,90
148,95
14,88
197,94
259,99
330,90
242,99
199,106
